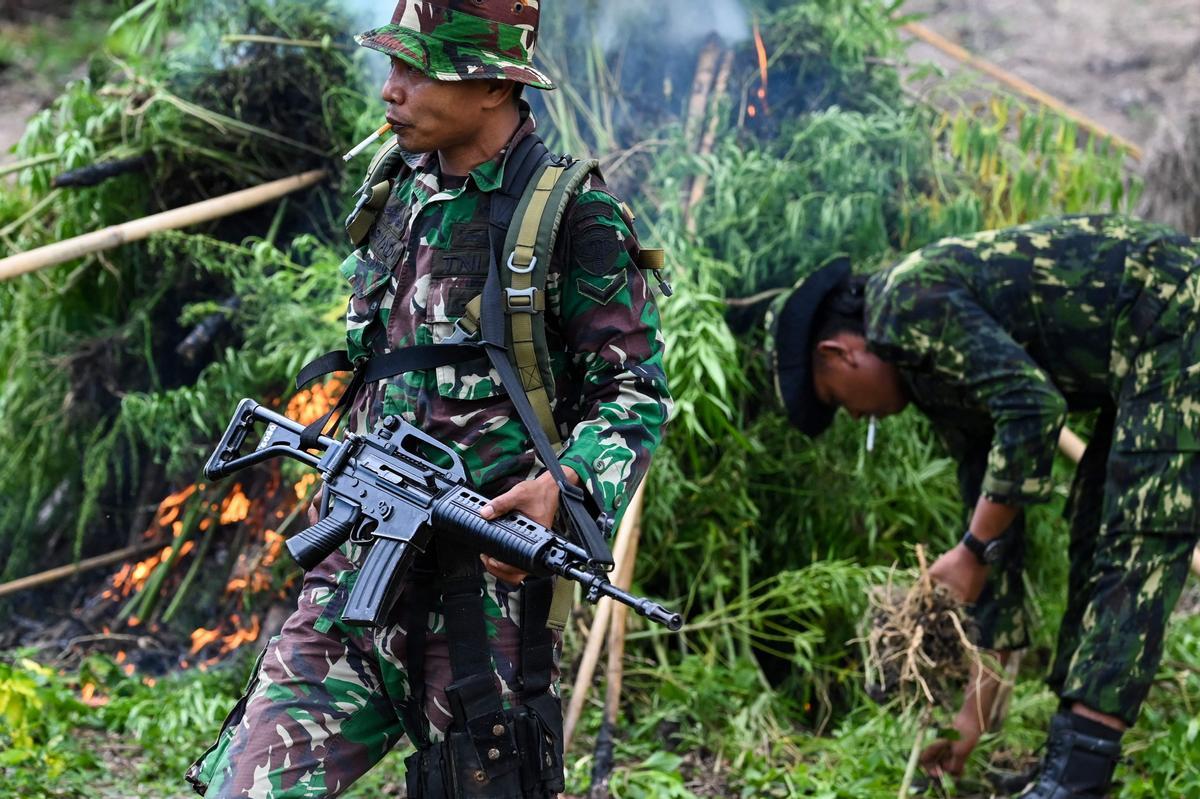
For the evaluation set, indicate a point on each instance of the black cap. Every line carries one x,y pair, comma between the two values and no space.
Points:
791,332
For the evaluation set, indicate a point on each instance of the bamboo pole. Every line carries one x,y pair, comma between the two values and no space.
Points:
597,633
700,182
28,163
313,44
706,70
615,673
1019,85
139,229
63,572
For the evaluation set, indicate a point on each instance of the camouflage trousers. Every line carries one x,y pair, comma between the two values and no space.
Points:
325,702
1134,514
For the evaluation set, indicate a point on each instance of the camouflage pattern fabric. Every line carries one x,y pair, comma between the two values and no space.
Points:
1000,614
1025,322
323,705
428,257
457,40
997,335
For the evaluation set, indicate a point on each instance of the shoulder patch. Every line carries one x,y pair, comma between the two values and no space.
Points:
596,249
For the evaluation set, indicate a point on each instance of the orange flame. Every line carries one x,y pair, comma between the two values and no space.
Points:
306,482
761,47
132,577
235,507
311,404
202,638
89,696
169,509
241,636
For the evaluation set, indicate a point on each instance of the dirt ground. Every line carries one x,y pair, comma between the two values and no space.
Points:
1128,64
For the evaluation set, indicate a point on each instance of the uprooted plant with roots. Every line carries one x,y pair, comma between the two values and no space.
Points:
920,643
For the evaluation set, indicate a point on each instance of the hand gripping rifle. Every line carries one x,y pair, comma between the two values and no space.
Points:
391,493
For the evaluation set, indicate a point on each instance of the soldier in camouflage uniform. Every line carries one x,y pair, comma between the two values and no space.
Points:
327,701
995,337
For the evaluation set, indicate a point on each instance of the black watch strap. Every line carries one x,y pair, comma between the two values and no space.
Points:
988,553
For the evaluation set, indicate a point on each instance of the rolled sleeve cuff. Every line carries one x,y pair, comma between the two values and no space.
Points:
588,477
1027,491
599,478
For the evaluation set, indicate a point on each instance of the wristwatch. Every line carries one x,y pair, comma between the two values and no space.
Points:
988,553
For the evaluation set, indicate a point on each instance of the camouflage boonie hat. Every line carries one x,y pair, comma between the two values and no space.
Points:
464,39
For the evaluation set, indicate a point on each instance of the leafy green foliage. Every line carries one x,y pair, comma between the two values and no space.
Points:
90,346
768,540
132,733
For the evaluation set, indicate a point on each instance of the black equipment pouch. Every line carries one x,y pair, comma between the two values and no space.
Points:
452,769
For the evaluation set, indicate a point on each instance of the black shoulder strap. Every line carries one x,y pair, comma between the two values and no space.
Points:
492,329
381,367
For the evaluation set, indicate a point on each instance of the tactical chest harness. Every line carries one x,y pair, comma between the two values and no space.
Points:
488,751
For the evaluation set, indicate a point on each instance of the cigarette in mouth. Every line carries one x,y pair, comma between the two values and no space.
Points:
367,142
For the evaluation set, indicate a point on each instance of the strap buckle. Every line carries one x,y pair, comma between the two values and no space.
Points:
512,266
521,300
461,335
364,197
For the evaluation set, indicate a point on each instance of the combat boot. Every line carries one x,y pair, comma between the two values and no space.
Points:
1081,756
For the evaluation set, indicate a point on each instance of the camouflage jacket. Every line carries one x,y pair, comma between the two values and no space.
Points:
428,256
997,335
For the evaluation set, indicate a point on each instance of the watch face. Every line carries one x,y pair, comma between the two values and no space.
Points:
994,552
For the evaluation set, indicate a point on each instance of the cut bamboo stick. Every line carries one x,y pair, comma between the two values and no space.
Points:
1019,85
700,182
706,69
139,229
615,673
598,632
63,572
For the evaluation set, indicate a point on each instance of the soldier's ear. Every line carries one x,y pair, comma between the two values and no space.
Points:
499,93
831,351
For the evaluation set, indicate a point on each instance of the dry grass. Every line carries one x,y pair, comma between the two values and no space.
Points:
920,643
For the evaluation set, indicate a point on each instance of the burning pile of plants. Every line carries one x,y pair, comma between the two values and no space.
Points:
122,368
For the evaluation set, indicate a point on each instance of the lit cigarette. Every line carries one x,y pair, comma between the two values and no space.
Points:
871,435
367,142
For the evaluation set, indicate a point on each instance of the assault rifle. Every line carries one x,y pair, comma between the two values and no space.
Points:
394,490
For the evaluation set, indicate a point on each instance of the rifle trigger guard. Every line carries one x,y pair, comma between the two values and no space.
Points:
360,536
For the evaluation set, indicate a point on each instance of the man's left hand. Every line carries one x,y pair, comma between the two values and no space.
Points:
537,499
961,572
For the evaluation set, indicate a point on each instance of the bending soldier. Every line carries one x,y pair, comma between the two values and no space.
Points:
466,667
994,337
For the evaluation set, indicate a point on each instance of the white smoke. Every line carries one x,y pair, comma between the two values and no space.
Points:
367,14
680,21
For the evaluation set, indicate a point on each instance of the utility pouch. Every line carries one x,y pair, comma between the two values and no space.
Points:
452,768
425,774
